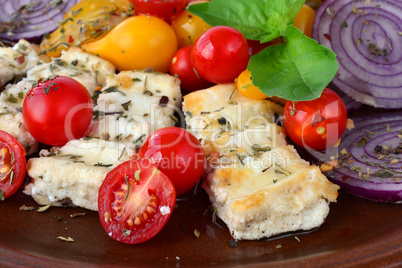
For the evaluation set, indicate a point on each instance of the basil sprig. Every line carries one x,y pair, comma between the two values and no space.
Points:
297,70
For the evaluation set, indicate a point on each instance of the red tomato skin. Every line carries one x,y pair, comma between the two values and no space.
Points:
165,9
182,68
220,54
178,154
254,46
60,115
315,124
140,189
19,166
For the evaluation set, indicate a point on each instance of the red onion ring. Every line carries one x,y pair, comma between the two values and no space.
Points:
367,38
370,158
31,19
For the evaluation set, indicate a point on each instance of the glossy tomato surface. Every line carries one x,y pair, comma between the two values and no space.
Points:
12,165
94,16
246,87
182,68
304,20
315,124
188,28
57,110
165,9
220,54
178,154
135,201
138,43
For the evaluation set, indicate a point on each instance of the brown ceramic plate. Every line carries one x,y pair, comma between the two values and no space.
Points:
356,232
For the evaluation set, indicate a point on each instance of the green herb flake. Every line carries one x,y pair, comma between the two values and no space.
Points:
128,187
1,195
362,142
113,89
25,208
12,99
43,209
197,233
102,165
126,105
137,174
126,232
47,89
383,174
12,175
344,24
66,239
12,158
233,244
388,128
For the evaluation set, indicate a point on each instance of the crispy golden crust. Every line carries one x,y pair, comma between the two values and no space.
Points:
259,185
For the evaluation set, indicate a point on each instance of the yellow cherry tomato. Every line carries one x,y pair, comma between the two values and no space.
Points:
246,87
304,20
137,43
188,28
86,21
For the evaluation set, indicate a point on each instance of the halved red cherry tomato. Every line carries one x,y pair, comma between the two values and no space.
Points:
178,154
315,124
220,54
164,9
182,67
135,201
12,165
57,110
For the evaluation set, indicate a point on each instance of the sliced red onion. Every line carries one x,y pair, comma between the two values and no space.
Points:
366,35
350,104
370,158
23,19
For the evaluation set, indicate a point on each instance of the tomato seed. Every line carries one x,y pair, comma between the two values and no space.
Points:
145,215
150,209
137,221
3,152
107,216
4,169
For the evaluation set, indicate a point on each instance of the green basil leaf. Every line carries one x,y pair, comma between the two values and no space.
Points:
298,70
247,16
280,13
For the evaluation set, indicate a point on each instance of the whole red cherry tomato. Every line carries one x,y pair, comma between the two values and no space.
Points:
315,124
57,110
182,67
178,154
220,54
135,201
12,165
164,9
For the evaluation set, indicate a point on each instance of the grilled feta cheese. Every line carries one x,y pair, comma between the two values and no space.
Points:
129,107
258,183
86,68
11,121
16,60
71,175
132,105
